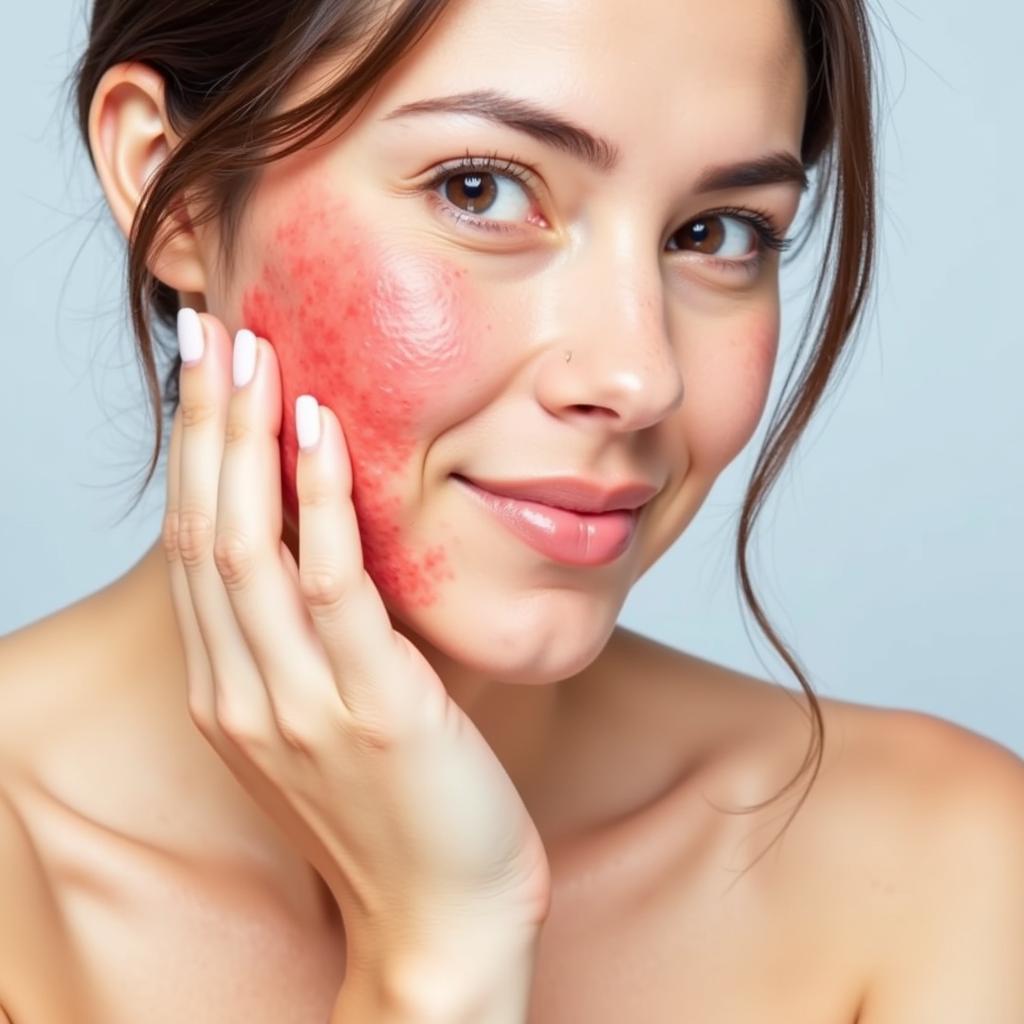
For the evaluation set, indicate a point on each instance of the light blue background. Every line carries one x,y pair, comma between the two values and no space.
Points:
890,557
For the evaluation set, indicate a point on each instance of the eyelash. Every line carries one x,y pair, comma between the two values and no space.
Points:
768,236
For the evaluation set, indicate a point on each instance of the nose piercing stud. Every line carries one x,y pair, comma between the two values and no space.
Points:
568,355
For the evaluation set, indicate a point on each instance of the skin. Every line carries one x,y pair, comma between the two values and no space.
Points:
493,317
404,337
442,350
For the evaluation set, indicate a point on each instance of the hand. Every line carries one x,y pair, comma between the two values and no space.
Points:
333,721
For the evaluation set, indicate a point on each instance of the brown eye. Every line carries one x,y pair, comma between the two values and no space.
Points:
501,199
728,237
473,192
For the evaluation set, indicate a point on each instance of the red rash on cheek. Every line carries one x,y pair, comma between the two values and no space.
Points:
381,338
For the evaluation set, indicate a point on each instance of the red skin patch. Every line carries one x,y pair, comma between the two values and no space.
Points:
382,337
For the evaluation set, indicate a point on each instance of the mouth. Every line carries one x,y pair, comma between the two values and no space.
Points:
597,534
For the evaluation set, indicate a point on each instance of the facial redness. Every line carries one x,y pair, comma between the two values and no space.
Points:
381,336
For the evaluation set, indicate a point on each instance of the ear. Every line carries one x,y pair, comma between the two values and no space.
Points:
130,136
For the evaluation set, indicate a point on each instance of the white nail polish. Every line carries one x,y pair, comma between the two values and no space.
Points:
307,420
243,358
190,335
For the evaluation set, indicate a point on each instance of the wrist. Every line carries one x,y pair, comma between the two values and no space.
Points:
484,980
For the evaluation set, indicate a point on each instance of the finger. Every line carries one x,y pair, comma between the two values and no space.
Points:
241,702
197,665
267,605
344,604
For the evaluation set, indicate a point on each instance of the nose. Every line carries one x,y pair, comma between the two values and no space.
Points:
609,358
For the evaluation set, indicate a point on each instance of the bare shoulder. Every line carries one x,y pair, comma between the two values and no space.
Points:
55,674
946,906
49,671
892,768
911,842
63,676
45,734
905,859
32,938
925,786
30,930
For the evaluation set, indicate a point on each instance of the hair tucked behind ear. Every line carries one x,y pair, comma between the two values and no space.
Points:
227,64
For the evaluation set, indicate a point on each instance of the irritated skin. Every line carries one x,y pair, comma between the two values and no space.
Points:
377,337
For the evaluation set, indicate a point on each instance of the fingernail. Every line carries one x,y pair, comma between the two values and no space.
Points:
243,358
190,335
307,421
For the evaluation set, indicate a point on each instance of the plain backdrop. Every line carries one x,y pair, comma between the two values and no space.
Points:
890,555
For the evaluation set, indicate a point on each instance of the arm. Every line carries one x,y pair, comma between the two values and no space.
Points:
953,932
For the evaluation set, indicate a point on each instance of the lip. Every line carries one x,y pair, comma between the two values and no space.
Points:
573,493
563,534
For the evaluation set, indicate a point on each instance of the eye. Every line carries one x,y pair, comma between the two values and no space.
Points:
729,238
485,193
477,192
488,193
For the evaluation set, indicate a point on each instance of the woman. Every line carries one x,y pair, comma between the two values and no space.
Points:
367,744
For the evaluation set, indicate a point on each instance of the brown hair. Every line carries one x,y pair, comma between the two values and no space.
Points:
227,63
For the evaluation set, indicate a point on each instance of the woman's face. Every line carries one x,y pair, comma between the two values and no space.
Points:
575,308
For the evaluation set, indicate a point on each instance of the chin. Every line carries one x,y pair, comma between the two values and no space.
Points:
534,640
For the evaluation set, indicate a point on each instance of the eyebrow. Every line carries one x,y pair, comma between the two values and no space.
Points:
554,130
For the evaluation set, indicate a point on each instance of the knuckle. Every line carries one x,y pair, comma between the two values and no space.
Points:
315,494
233,556
298,734
196,411
322,586
310,734
195,536
238,723
374,733
169,535
375,740
235,430
201,716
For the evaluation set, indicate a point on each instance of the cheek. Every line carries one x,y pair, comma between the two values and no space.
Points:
727,386
380,337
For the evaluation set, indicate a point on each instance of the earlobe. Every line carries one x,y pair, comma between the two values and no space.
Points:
130,137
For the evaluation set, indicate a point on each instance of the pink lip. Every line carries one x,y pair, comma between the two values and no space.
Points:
567,536
573,493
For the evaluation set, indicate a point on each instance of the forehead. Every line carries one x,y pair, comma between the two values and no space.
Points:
646,74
